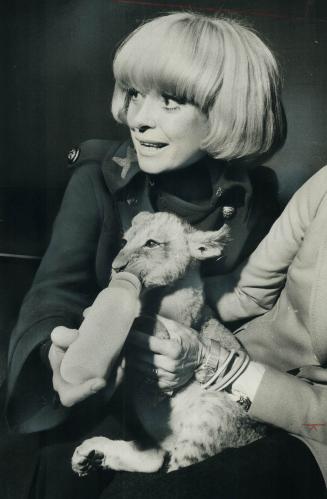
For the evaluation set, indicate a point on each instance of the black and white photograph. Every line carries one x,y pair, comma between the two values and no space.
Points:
163,249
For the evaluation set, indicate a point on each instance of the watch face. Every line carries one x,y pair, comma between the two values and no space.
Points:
244,402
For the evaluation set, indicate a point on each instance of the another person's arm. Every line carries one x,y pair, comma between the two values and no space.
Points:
281,399
254,288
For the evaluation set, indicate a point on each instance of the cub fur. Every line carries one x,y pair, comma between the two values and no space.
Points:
192,424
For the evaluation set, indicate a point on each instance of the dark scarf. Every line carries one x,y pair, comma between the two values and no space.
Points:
204,194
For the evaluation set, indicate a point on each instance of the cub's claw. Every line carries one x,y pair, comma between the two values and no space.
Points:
118,455
86,459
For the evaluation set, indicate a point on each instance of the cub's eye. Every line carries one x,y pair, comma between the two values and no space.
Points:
123,242
151,243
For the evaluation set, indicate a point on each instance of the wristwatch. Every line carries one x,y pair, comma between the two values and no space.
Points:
245,387
244,401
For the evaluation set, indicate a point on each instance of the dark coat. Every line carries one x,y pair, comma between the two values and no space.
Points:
106,190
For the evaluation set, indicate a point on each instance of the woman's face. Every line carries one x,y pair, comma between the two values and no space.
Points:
167,134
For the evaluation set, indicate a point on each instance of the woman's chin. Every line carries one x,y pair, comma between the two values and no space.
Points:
153,166
165,163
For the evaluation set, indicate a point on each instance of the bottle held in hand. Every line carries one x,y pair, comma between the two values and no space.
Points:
103,331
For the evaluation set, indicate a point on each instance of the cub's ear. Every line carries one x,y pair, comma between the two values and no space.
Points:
208,244
142,218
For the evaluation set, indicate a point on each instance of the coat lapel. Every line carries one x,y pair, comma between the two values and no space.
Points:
120,169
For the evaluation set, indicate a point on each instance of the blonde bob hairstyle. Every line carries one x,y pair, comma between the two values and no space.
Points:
216,64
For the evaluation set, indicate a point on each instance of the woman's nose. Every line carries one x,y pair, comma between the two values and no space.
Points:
142,116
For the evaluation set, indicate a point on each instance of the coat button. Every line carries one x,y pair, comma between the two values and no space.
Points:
73,155
228,212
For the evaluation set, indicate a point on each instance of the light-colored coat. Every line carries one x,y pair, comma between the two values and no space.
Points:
285,282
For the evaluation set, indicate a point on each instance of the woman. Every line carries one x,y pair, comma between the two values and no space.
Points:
201,98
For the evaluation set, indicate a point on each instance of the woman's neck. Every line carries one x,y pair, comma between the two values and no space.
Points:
192,183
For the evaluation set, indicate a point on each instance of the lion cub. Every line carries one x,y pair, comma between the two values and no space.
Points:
194,423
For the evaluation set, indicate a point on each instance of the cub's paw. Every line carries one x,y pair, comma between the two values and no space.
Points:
90,455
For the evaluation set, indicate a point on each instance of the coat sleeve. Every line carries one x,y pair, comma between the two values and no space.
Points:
282,399
255,286
64,285
292,404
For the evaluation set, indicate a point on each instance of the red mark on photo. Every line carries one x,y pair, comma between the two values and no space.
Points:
314,426
219,10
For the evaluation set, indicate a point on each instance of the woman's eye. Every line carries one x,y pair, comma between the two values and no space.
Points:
171,102
133,94
151,243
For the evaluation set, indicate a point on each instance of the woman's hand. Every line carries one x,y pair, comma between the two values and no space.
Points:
316,374
169,362
69,394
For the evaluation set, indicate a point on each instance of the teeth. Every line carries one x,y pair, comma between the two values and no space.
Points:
151,144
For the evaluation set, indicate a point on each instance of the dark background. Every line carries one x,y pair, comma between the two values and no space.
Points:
55,88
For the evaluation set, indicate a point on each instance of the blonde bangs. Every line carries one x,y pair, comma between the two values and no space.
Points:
181,59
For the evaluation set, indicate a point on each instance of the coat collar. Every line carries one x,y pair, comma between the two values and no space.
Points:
120,167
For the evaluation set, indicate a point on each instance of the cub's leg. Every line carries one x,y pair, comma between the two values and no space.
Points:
119,455
213,329
198,438
210,424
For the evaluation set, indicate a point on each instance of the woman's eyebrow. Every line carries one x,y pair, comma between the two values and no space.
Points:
180,100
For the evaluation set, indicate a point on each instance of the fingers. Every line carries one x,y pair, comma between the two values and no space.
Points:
164,380
70,394
156,345
55,356
63,336
174,358
150,371
313,373
86,311
155,361
176,330
172,326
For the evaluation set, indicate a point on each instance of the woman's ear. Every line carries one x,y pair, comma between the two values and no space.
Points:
208,244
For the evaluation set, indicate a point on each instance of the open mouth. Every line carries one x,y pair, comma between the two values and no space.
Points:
152,145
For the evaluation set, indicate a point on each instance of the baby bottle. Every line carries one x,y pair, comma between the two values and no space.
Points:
103,331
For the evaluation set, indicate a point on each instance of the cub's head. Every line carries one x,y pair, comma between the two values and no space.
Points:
159,247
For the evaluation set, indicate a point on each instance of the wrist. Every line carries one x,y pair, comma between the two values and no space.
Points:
204,352
212,355
221,367
249,381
